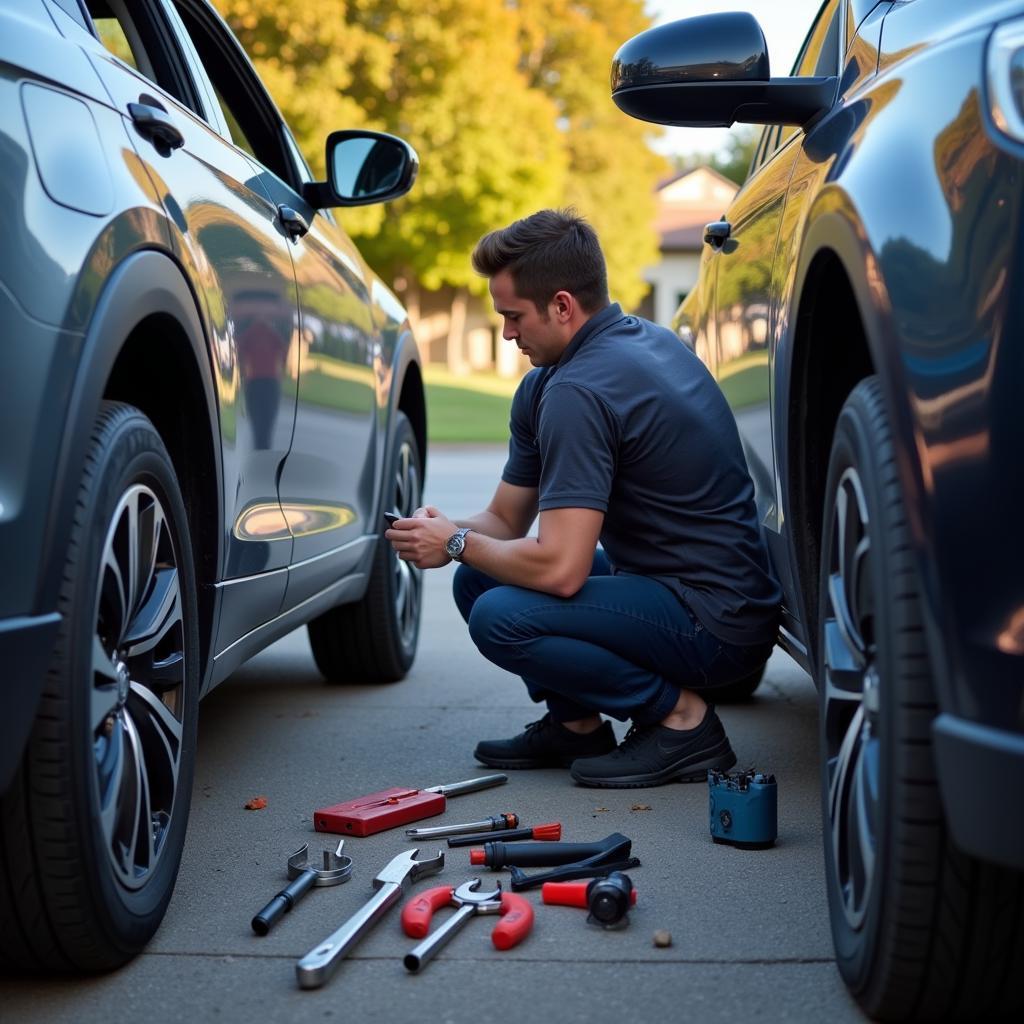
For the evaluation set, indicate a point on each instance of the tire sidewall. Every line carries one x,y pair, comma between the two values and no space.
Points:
135,456
856,444
387,558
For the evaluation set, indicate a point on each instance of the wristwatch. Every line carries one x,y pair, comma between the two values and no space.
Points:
456,543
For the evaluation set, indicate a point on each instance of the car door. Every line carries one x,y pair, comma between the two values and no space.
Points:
328,483
750,280
226,233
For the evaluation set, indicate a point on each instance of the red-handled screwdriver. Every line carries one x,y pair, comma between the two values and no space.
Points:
551,832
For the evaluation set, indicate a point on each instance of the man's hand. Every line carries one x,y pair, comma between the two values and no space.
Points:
421,539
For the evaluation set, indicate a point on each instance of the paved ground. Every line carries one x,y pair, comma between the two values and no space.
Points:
750,929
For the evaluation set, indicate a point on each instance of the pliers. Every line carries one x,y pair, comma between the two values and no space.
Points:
514,926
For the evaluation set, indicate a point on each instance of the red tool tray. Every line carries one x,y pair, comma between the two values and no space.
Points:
377,812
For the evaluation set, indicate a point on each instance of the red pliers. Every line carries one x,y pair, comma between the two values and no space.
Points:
515,924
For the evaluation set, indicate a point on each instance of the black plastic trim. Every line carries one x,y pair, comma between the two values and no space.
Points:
26,643
981,778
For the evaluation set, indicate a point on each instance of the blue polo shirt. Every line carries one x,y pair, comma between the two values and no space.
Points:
631,423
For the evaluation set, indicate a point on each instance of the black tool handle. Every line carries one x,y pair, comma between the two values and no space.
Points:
540,855
283,902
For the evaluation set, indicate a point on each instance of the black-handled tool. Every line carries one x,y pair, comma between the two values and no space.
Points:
539,855
337,869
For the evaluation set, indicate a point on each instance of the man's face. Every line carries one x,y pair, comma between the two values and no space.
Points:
541,335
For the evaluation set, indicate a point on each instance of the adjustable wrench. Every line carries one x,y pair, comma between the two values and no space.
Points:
317,966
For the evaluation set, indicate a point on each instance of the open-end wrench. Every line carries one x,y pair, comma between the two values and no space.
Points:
317,966
517,918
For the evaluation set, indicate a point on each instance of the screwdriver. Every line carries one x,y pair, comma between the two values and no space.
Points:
547,833
496,824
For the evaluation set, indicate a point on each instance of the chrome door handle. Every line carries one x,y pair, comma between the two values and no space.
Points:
293,223
716,233
153,121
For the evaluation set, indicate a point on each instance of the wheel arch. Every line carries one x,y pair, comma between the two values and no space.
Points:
146,328
820,377
412,399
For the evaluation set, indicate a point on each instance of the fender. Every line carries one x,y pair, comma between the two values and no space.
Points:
842,233
145,283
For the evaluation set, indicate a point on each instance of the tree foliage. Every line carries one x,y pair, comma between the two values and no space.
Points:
507,104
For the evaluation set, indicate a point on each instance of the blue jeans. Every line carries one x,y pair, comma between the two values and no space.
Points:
623,645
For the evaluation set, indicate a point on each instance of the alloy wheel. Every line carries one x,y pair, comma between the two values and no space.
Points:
408,588
138,685
851,700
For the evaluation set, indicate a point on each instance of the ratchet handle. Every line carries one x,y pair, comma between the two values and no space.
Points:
516,921
417,913
283,902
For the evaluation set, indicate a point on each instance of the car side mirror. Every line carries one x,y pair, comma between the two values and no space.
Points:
710,72
364,167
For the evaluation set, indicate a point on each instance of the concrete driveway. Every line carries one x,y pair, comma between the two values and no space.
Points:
750,929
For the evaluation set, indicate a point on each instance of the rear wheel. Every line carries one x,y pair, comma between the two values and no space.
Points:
374,640
94,822
921,930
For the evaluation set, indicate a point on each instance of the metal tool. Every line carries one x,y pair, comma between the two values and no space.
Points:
337,869
549,833
499,823
317,966
514,926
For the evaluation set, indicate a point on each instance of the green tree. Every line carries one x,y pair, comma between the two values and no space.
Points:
506,102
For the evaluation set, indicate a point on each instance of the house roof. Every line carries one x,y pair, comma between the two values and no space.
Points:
686,203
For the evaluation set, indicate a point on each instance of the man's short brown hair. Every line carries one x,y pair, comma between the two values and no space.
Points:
548,252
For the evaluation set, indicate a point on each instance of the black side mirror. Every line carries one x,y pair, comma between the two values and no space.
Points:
364,167
711,71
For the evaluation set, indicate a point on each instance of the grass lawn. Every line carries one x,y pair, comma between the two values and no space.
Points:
467,409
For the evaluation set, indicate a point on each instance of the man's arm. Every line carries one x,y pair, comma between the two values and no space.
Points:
509,515
557,561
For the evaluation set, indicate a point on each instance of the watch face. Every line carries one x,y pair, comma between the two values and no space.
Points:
456,543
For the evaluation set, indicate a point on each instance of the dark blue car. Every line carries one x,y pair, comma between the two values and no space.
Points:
862,298
207,399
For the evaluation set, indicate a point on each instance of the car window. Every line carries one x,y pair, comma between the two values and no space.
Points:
250,115
119,34
820,54
127,30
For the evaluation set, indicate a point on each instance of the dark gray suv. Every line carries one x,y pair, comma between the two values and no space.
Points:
207,399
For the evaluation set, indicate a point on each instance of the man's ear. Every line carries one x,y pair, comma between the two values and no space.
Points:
564,305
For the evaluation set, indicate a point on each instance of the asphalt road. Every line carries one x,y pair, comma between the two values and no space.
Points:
749,928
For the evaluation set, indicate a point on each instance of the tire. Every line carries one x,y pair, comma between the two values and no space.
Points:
374,640
921,930
739,690
84,879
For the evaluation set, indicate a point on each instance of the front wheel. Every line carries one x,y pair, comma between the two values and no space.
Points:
921,930
92,827
374,640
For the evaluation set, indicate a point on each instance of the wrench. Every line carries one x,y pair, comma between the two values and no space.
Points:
320,963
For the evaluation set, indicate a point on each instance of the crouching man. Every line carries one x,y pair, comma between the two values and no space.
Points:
619,435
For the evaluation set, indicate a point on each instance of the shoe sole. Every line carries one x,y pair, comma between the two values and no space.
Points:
688,770
518,764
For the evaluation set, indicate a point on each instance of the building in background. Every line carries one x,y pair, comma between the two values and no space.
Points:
458,330
686,203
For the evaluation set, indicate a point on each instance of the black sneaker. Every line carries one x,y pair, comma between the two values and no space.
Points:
545,744
653,755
